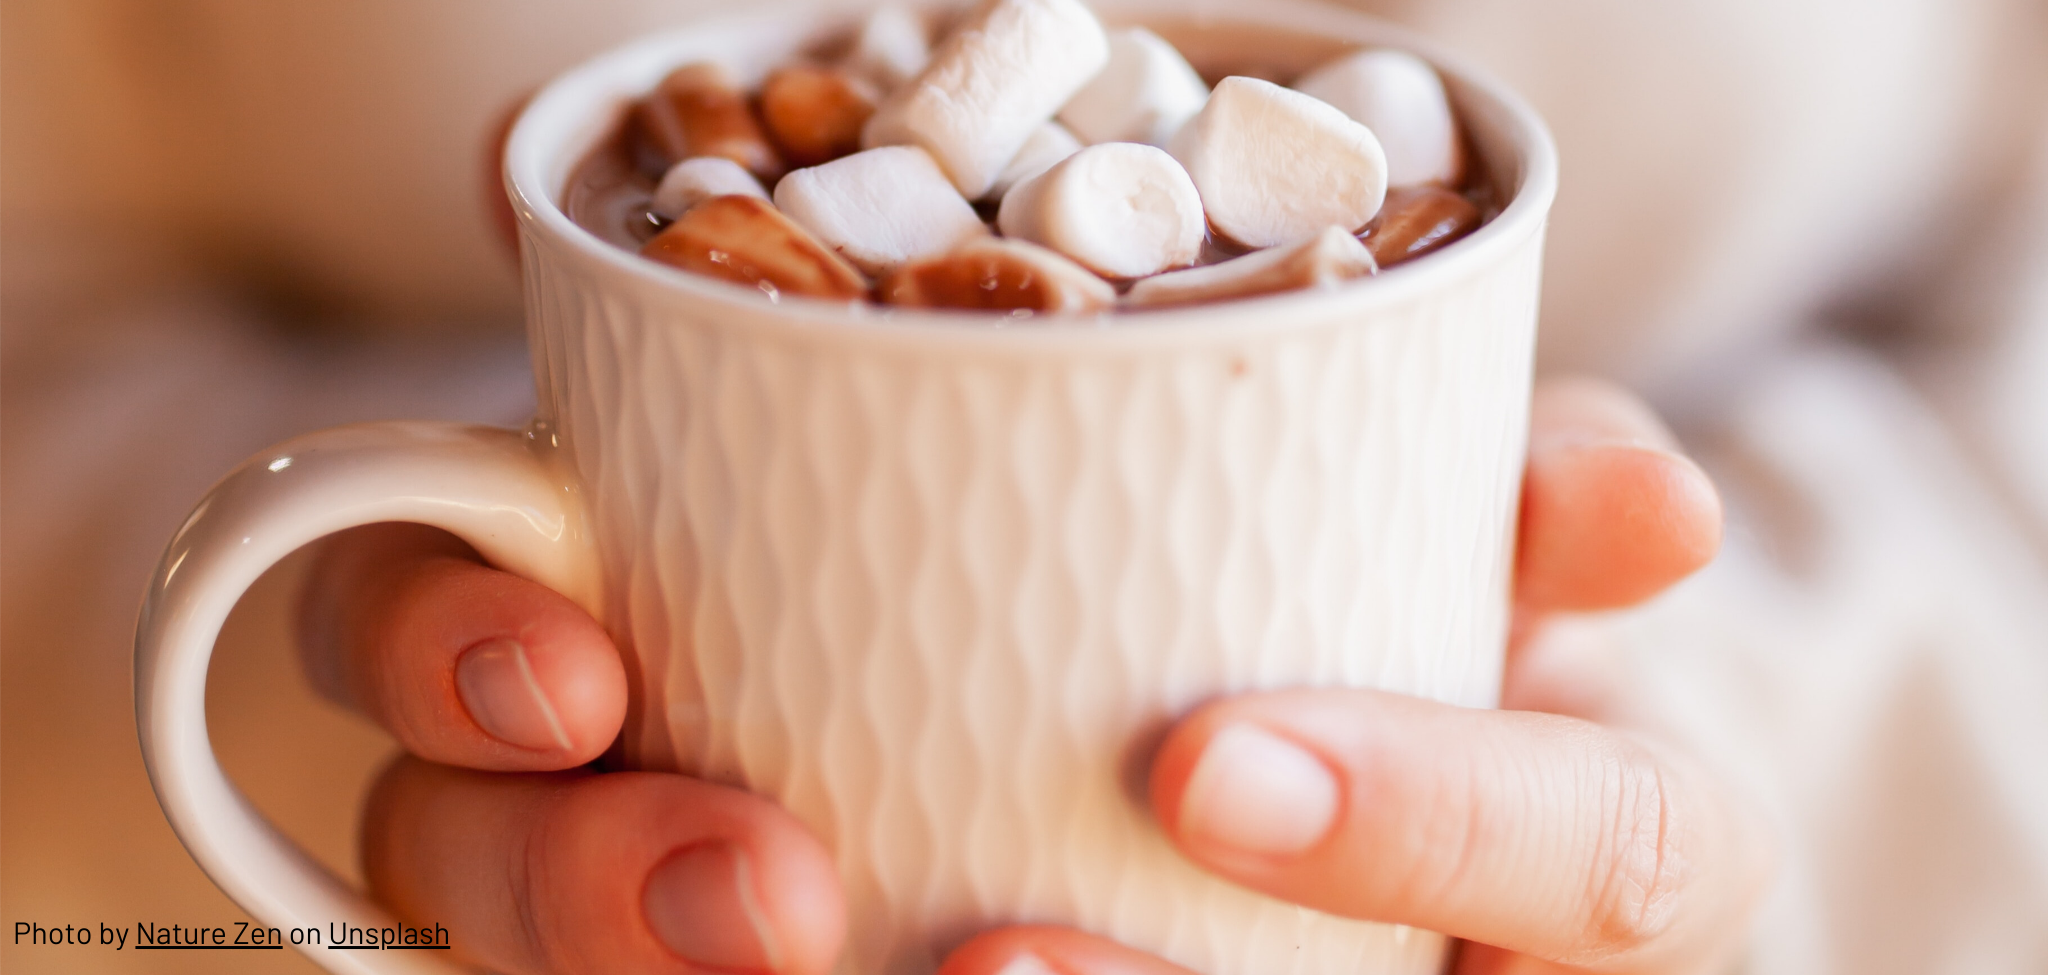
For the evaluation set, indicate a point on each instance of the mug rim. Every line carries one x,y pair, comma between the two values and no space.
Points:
558,123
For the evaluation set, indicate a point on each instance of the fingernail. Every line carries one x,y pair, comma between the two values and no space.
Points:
1255,792
1561,437
1577,413
497,685
702,904
1028,964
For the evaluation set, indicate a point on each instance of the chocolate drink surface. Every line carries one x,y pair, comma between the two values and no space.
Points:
1131,215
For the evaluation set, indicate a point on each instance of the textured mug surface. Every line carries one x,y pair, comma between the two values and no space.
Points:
935,584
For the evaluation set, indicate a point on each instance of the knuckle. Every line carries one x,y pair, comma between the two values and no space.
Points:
1639,868
541,874
529,881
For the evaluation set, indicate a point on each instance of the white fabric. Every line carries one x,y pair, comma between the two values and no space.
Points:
1870,653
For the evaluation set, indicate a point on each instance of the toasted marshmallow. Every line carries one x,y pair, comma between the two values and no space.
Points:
1049,144
1145,94
1329,258
1400,98
998,274
1121,209
1416,221
990,85
816,114
700,110
744,240
894,44
693,181
880,208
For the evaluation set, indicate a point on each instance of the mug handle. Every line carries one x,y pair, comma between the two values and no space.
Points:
496,489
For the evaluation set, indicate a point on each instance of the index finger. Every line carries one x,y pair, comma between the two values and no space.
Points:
462,663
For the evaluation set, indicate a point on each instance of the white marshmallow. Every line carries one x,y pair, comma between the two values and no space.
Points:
880,208
1145,94
894,44
1327,259
1400,98
990,85
1049,144
1120,209
693,181
1276,166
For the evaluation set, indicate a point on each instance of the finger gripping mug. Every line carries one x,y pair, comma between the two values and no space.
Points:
931,583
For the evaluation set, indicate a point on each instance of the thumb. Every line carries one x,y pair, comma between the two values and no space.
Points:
1538,833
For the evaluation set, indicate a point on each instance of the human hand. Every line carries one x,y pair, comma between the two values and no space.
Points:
1549,842
502,692
1476,823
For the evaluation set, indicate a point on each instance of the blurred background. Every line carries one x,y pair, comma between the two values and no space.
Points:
1814,232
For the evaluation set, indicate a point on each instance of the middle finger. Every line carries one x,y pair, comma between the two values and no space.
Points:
573,872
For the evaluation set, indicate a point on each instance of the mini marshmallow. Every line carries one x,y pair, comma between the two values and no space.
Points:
1048,144
1400,98
994,273
1325,260
1276,166
746,241
880,208
693,181
894,44
990,85
1145,94
1121,209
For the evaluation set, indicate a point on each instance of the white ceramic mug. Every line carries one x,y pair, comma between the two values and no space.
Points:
931,582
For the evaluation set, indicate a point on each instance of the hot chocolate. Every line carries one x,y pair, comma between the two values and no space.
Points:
1032,162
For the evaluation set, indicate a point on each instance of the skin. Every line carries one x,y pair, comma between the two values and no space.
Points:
1547,840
